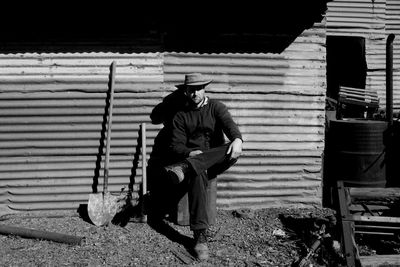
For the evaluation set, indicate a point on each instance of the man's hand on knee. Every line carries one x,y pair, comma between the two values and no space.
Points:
235,148
194,153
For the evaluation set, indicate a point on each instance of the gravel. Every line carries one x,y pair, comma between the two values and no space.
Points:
239,238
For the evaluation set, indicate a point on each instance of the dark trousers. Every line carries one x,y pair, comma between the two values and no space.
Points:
206,165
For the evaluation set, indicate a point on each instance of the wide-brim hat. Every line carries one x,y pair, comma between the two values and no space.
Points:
194,79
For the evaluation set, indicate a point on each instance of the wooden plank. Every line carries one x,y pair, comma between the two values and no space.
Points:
359,208
380,260
360,93
355,89
366,99
374,233
358,102
368,192
377,228
347,226
373,95
375,219
183,255
362,97
374,195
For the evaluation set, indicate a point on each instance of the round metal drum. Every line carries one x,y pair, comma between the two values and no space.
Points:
354,151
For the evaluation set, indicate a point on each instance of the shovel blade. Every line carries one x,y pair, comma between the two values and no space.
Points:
102,208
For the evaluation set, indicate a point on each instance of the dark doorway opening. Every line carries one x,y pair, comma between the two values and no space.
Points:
346,63
346,66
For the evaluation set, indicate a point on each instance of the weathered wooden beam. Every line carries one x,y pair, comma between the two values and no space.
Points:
183,255
374,195
374,233
38,234
372,208
373,219
380,260
378,228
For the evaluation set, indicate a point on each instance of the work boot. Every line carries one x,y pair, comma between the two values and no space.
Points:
177,172
200,245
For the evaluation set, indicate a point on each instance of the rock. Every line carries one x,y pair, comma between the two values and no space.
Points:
243,213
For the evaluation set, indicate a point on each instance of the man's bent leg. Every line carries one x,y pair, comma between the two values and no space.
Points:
219,168
199,163
209,158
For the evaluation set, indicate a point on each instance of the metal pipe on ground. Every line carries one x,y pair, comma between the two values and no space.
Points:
38,234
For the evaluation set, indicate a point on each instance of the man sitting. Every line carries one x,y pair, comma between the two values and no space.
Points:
197,144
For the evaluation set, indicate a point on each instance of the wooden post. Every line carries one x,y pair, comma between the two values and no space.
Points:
346,226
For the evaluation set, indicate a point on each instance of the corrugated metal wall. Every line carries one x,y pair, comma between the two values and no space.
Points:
373,20
51,117
52,107
278,101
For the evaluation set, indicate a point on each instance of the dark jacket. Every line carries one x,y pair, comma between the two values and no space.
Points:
202,129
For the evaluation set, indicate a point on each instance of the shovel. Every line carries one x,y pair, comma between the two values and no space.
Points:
102,207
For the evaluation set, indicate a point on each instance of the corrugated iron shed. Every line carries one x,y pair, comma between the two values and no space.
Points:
52,108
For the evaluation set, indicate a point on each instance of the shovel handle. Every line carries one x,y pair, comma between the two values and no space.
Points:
144,170
109,124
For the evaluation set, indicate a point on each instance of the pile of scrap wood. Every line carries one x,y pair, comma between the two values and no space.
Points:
317,239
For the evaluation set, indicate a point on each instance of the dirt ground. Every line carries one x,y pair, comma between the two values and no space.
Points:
239,238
